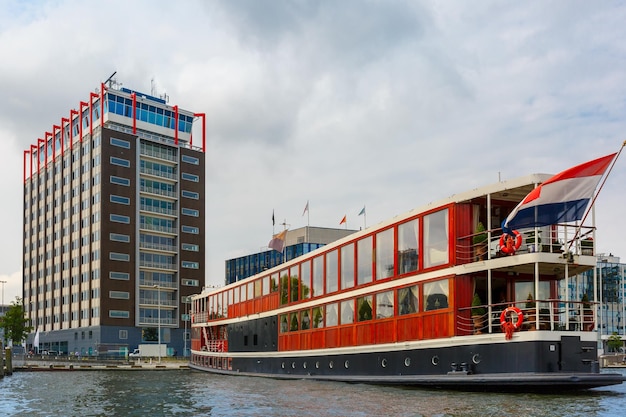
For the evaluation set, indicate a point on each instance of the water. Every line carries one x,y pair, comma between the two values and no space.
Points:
187,393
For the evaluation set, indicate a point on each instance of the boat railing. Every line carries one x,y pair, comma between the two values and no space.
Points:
552,315
558,238
220,345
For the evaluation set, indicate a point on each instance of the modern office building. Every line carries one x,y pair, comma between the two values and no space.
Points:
297,242
114,202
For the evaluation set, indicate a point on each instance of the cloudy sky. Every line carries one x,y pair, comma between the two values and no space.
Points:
387,104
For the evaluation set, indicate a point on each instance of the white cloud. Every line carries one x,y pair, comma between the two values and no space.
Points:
388,104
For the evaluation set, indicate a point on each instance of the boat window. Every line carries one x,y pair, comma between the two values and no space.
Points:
384,254
250,290
243,293
347,312
284,287
384,305
274,283
225,304
293,322
408,300
305,279
332,283
364,308
364,261
331,315
318,317
306,320
230,297
407,246
347,266
525,288
318,276
294,284
236,295
257,288
266,285
436,294
436,239
284,326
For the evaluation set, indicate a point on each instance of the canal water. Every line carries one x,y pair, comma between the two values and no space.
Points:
191,393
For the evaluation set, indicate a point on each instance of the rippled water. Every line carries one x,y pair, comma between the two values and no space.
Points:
185,393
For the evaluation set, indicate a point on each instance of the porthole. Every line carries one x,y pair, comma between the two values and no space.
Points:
293,365
435,360
317,365
346,364
331,364
304,365
282,365
407,361
383,363
476,359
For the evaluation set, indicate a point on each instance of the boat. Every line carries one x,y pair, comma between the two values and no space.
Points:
440,296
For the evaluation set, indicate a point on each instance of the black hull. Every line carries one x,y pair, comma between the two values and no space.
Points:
539,366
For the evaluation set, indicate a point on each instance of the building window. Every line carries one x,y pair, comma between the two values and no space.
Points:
119,180
120,143
190,247
190,282
123,276
190,229
120,219
121,295
114,256
190,212
190,159
190,177
190,265
116,237
119,199
123,334
120,162
119,314
190,194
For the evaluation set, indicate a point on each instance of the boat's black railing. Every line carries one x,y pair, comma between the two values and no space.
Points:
554,315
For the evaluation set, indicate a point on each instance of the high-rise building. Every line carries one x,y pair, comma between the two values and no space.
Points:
114,203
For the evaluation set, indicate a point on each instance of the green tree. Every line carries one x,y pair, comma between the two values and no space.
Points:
614,342
15,324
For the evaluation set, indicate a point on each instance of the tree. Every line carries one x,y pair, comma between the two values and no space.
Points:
15,324
614,342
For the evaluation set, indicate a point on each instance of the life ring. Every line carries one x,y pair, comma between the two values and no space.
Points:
508,245
508,326
505,313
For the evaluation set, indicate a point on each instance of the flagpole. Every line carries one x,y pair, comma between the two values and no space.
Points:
593,200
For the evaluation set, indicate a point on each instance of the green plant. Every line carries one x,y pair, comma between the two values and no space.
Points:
481,234
530,237
614,342
477,306
585,301
530,301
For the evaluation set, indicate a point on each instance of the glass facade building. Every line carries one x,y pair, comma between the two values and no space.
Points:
114,225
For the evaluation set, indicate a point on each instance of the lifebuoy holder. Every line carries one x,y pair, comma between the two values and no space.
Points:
510,244
508,325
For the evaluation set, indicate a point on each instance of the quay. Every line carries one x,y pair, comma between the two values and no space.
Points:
67,366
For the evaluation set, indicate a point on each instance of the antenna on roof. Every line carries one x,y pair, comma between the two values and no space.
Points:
110,80
154,92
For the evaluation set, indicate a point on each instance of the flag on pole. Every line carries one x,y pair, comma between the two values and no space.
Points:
362,212
273,220
560,199
306,208
36,340
278,241
343,220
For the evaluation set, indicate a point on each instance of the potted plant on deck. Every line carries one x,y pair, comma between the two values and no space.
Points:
478,314
531,243
479,241
531,312
586,246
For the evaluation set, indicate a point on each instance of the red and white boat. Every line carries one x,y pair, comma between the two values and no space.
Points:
427,298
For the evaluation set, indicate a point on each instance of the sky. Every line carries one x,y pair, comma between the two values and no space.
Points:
387,105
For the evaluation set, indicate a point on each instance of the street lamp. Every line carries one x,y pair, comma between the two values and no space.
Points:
159,318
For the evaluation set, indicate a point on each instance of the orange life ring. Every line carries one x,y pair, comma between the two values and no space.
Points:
508,245
520,317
